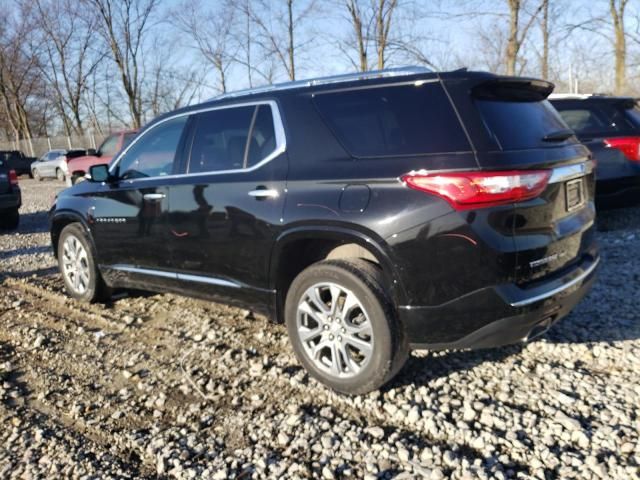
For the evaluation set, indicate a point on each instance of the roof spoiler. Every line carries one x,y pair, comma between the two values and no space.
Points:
513,89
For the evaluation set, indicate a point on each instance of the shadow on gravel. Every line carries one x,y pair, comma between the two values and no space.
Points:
627,218
40,272
24,251
35,222
577,328
422,370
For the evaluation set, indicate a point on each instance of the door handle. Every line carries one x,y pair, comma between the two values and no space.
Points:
154,196
261,193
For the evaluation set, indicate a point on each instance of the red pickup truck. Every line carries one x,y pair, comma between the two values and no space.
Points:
115,142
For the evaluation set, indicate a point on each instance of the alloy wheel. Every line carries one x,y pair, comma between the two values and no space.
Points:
334,329
75,264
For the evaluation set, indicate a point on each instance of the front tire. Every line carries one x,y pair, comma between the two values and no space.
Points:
343,327
36,175
75,179
9,219
76,260
60,175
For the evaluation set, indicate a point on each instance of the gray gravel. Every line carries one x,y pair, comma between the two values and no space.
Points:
161,385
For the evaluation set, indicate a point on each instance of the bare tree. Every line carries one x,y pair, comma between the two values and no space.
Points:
67,59
518,31
124,27
21,87
210,33
544,61
278,31
617,9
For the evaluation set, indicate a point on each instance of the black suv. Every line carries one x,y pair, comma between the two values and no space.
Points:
10,197
610,127
372,213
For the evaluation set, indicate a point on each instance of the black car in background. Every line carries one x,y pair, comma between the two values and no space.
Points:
610,127
10,197
17,161
372,213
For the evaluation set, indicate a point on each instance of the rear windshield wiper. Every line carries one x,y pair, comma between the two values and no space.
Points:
558,136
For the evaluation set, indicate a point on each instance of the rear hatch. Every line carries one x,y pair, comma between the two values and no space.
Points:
5,184
516,128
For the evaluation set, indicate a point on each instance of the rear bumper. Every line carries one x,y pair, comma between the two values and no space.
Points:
500,315
10,200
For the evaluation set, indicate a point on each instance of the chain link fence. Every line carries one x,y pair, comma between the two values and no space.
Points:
37,147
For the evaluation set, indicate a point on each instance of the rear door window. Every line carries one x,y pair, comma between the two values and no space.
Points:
232,139
393,121
518,125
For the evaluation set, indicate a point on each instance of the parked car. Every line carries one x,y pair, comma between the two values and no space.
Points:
113,144
372,213
52,164
610,127
17,161
10,197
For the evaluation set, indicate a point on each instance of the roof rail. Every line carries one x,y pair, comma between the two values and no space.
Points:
347,77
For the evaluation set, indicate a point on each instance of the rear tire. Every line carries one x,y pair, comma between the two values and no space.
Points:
9,219
60,175
357,345
76,260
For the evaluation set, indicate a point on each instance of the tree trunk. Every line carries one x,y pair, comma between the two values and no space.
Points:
292,65
513,44
620,44
545,40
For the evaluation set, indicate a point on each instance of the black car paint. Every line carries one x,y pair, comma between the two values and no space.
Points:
451,274
617,178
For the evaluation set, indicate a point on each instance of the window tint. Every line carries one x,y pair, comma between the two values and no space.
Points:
263,136
634,115
153,155
520,125
399,120
584,120
220,139
110,146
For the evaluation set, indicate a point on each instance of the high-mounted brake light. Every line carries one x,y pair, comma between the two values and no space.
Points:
630,146
13,178
468,190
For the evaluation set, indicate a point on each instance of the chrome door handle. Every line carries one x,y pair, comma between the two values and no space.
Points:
264,193
154,196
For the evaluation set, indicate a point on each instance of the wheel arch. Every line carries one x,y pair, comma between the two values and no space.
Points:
60,220
297,248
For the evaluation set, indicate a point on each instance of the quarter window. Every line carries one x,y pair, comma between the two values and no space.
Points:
154,153
397,120
232,139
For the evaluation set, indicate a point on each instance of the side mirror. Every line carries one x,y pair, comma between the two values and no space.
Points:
98,173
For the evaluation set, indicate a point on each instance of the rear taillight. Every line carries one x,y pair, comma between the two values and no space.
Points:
13,178
467,190
630,146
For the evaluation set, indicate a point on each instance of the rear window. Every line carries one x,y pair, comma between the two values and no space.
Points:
599,118
392,121
521,125
634,115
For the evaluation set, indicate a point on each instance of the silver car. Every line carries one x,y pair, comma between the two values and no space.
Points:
52,164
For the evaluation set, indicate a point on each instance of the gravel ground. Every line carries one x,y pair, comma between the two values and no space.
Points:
166,386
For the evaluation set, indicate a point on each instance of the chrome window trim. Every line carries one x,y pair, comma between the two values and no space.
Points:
561,288
569,172
281,141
